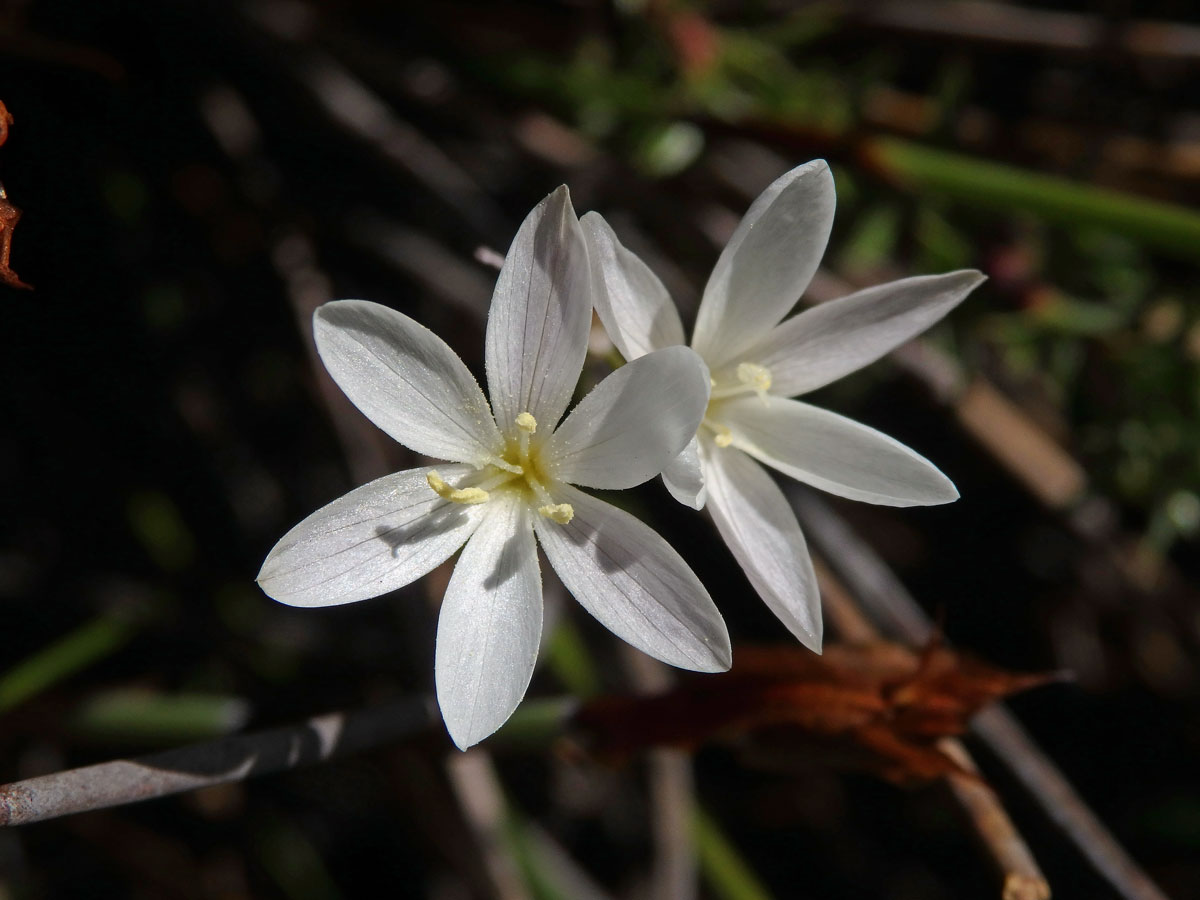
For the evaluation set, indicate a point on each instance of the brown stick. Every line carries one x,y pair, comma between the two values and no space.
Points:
1006,23
890,604
1008,740
1022,879
675,875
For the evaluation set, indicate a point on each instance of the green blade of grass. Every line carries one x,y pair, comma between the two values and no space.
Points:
722,865
148,717
568,658
1166,227
84,646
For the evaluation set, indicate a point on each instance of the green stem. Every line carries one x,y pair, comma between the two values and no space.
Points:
1166,227
87,644
726,871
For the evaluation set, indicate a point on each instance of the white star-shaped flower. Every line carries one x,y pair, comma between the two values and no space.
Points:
510,476
758,361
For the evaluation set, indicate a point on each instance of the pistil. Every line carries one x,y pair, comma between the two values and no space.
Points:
562,513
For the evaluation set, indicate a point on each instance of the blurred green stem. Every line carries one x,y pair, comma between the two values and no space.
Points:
1166,227
724,868
81,648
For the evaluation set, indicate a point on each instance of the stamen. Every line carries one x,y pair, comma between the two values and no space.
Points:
527,423
562,513
755,376
467,496
503,464
722,436
746,376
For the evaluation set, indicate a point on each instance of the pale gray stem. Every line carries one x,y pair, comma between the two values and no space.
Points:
124,781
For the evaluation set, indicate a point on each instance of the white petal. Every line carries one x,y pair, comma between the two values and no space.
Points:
635,584
375,539
632,424
406,380
767,264
541,312
634,306
832,452
684,476
490,624
828,341
761,531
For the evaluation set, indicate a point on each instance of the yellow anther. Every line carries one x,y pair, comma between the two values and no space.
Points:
527,423
754,376
467,496
562,513
722,436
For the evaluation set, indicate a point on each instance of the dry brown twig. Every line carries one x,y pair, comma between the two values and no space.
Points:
1022,878
882,593
675,875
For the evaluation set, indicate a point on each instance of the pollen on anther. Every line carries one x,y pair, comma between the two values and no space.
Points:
527,423
467,496
562,513
722,436
755,376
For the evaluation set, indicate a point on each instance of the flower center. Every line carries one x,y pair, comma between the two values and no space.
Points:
747,376
520,461
733,382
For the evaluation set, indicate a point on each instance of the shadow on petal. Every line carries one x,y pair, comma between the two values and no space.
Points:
438,522
508,564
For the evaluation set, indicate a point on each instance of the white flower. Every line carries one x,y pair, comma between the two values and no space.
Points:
510,477
757,363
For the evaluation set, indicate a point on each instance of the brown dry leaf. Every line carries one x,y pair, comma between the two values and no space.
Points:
9,215
877,706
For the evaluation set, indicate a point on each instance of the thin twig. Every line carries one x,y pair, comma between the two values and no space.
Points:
295,258
1008,740
445,275
358,111
124,781
478,789
1007,23
1022,878
899,614
675,874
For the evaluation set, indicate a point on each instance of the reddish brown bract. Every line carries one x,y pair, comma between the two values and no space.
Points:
9,216
878,707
